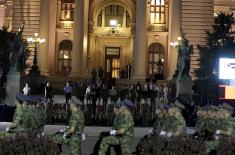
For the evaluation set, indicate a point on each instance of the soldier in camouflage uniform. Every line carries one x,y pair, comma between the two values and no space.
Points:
123,131
73,135
18,118
40,118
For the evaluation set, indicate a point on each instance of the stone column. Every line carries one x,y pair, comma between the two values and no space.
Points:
2,16
174,31
52,35
140,40
103,18
80,40
124,19
44,31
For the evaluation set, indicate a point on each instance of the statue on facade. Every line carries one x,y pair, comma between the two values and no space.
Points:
17,53
184,58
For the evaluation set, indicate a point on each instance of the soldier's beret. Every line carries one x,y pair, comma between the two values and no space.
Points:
21,97
76,100
179,105
127,103
33,99
161,106
227,106
118,104
24,98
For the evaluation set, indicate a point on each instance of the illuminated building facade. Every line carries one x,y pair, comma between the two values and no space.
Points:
82,35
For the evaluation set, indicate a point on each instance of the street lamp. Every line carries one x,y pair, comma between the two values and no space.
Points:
175,44
36,41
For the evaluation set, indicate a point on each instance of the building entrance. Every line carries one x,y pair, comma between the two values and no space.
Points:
112,61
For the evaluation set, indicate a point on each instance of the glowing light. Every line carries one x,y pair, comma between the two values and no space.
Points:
66,56
113,23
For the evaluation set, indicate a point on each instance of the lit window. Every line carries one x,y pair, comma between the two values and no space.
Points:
157,12
114,12
67,13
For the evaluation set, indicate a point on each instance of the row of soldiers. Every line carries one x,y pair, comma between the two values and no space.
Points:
29,116
121,135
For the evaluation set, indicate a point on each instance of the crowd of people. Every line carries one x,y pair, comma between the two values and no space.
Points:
99,98
99,95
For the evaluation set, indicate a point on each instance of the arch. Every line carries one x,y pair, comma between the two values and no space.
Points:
156,59
97,5
120,11
66,44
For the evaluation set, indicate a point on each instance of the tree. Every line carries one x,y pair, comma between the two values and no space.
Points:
220,43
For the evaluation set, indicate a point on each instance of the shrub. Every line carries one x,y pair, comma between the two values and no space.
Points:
28,145
181,145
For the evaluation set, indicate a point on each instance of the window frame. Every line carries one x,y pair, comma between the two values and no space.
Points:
153,52
158,5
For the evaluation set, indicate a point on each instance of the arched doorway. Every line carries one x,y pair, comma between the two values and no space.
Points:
156,61
64,59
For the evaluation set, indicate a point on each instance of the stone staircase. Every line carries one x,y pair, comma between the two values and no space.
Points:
59,82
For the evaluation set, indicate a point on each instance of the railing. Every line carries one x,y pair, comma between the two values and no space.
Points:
158,27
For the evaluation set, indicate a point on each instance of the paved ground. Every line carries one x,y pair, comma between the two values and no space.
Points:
92,134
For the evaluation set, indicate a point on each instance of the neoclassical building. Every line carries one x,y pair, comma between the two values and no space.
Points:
82,35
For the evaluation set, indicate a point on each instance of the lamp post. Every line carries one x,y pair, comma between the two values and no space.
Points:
36,41
176,44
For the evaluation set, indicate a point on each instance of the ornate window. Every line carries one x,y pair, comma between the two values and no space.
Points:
157,12
155,59
67,13
65,49
114,12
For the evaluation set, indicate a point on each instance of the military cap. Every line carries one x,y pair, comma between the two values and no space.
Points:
213,107
127,103
179,105
227,106
33,99
21,97
118,104
76,100
161,106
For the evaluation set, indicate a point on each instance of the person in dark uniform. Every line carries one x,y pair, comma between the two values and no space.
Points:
128,69
68,92
48,92
123,93
100,72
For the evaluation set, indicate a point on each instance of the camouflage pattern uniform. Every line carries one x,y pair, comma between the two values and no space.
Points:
126,122
40,118
19,117
74,141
